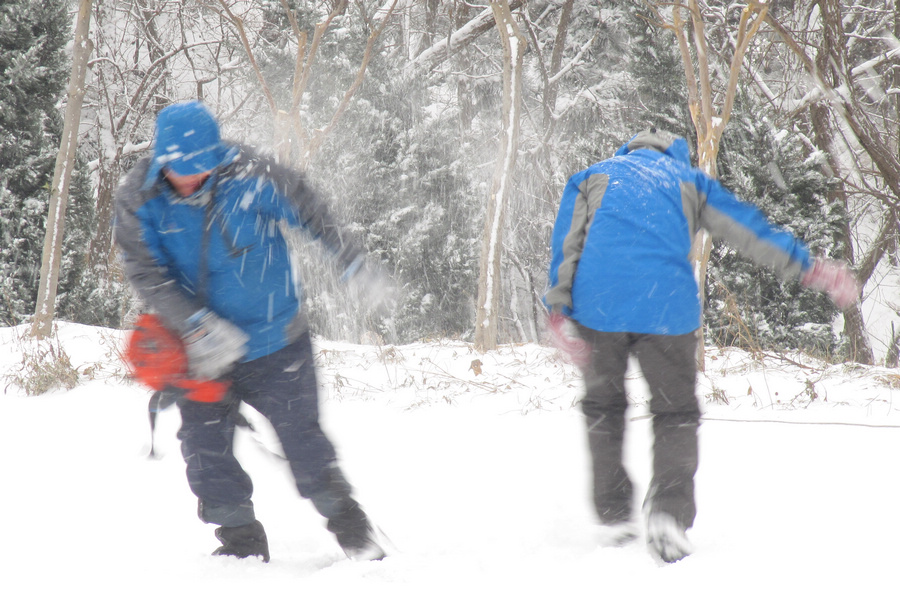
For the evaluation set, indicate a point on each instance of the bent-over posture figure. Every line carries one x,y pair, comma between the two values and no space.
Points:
200,224
620,270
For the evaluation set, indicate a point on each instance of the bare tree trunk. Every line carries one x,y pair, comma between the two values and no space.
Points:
487,311
709,122
834,79
100,250
846,109
551,87
377,27
463,86
288,126
854,326
45,308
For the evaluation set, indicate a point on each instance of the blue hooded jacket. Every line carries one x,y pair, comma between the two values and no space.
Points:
223,248
622,238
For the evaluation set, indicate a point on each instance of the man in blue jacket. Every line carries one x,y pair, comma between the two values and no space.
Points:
200,225
620,269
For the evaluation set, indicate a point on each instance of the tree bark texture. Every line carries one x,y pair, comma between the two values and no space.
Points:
710,122
487,311
45,308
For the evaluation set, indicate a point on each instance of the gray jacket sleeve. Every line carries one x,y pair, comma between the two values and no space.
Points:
746,229
587,201
312,211
147,276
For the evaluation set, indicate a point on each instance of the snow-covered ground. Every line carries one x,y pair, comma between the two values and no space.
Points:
476,472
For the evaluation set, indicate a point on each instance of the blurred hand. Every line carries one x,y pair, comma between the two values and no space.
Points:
572,347
213,345
375,288
835,279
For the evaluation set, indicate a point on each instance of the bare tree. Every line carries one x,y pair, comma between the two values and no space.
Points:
834,77
465,34
291,135
487,310
133,77
703,93
59,192
525,243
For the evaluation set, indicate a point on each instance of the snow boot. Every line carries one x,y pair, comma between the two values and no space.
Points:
612,535
243,541
355,534
666,537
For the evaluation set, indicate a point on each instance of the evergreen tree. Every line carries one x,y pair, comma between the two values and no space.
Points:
747,305
34,71
82,296
658,90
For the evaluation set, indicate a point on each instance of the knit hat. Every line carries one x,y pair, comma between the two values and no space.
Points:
187,139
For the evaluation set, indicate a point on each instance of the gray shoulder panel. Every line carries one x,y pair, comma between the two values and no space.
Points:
589,199
148,278
744,240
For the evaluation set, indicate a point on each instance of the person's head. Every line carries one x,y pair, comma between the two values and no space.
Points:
187,145
659,140
652,138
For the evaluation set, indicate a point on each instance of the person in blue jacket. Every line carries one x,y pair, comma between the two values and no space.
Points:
199,223
620,270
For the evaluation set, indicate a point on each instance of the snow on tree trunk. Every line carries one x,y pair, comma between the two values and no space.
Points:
834,76
100,252
860,350
59,192
492,242
709,122
441,50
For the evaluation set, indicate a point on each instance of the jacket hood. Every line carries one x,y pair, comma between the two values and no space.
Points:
186,141
662,141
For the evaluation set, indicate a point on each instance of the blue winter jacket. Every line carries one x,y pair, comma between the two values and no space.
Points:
624,230
223,248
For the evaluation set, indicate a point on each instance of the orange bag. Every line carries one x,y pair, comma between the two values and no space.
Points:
157,359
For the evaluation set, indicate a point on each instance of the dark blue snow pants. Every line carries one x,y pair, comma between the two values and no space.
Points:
668,363
282,387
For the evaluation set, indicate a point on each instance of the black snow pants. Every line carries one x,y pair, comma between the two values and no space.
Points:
668,363
282,387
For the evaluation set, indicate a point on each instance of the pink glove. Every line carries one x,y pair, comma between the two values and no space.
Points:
834,278
573,349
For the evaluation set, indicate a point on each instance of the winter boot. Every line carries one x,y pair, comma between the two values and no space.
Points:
243,541
612,535
354,533
666,538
